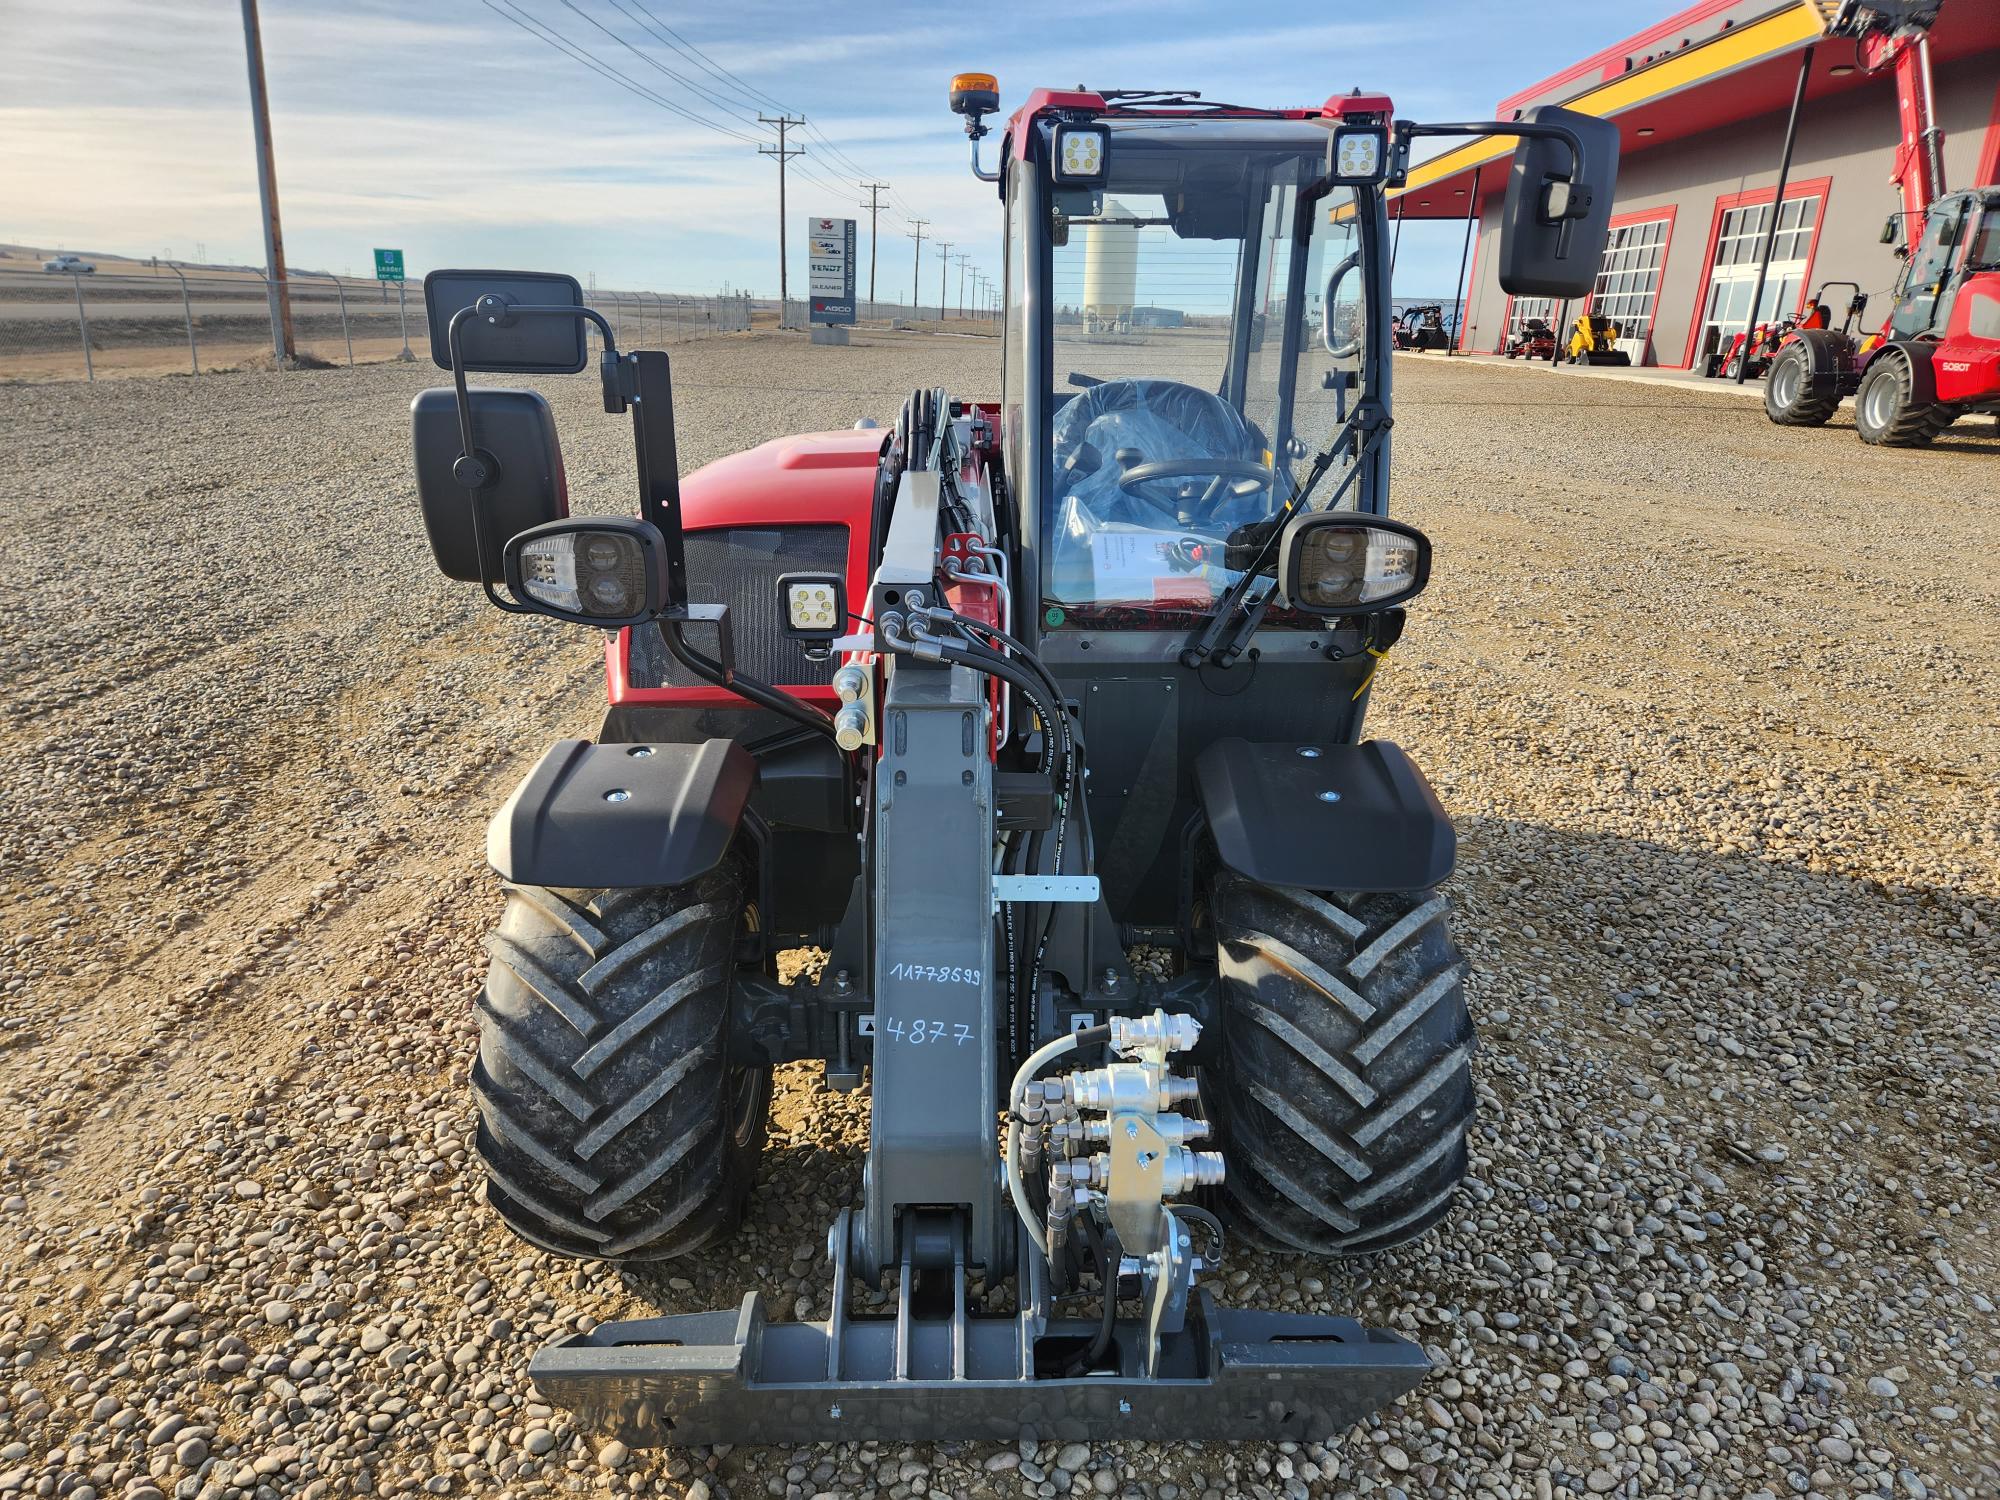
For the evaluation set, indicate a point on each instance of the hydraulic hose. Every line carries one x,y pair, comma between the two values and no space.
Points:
760,693
1037,1060
1107,1276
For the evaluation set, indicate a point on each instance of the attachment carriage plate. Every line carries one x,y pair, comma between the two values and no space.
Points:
722,1377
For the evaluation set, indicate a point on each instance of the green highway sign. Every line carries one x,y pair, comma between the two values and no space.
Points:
388,265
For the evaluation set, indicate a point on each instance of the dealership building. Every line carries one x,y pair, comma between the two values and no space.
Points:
1703,101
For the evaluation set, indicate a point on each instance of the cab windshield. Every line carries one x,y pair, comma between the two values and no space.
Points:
1190,361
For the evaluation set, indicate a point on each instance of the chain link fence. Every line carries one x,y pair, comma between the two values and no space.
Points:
894,314
166,319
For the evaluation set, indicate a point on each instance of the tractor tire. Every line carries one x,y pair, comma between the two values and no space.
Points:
1730,366
1789,398
612,1123
1344,1087
1886,413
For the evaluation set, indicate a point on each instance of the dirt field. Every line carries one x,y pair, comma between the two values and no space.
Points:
1712,703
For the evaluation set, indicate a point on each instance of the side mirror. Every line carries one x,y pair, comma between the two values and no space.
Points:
608,571
1337,562
498,340
1338,349
514,443
1889,230
1557,214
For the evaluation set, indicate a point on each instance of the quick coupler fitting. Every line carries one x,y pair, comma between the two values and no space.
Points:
1163,1030
850,726
1185,1169
850,683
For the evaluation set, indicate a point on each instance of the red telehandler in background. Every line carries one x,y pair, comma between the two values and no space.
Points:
1938,356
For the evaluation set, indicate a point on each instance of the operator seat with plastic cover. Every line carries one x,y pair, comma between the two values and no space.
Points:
1104,439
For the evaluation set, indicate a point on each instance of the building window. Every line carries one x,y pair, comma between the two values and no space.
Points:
1739,245
1628,285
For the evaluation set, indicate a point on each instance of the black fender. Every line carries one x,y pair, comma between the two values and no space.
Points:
622,815
1827,353
1923,379
1325,817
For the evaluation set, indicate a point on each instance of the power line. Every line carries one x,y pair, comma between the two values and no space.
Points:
748,93
701,59
605,70
781,155
652,63
874,206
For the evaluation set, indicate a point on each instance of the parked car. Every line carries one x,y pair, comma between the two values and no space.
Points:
70,265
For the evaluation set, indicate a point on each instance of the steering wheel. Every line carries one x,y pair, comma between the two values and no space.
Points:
1242,476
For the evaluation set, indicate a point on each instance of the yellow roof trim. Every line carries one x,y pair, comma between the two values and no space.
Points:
1731,50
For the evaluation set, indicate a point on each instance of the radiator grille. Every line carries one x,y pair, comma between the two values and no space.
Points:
740,567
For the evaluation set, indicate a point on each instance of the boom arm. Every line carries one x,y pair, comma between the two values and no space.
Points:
1898,32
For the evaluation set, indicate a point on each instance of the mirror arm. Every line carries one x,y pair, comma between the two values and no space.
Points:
1409,130
978,171
470,470
473,471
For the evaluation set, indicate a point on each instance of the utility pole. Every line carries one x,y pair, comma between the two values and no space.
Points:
781,155
874,206
917,234
280,292
944,270
963,258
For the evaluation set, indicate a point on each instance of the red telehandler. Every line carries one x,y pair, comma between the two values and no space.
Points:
1938,356
972,703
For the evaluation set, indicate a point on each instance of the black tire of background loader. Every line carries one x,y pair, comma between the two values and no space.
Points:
1910,425
1345,1082
1808,407
610,1124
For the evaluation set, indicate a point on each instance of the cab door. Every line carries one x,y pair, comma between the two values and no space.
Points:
1927,290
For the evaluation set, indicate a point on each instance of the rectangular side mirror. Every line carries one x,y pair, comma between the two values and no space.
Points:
514,440
497,342
1557,214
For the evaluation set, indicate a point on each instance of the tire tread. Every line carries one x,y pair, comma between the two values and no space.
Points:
1344,1091
602,1081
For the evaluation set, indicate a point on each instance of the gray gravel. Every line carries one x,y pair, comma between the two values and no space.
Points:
1711,701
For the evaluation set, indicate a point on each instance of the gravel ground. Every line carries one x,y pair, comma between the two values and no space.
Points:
1712,702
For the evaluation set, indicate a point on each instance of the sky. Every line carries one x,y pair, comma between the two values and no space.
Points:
457,131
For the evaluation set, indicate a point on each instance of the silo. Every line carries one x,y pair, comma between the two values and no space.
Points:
1110,270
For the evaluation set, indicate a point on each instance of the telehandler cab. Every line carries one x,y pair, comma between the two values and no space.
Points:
975,703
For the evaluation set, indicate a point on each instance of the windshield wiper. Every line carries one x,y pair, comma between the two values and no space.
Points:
1369,416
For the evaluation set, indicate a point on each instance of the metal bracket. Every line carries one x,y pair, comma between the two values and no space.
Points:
1044,888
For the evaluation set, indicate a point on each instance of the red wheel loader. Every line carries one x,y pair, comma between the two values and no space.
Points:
972,702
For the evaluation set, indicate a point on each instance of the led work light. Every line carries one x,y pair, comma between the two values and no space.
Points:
813,603
1081,155
1357,153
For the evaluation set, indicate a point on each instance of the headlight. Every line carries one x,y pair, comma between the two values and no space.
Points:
1342,563
607,572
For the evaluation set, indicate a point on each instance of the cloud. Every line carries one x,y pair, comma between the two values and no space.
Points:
124,123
